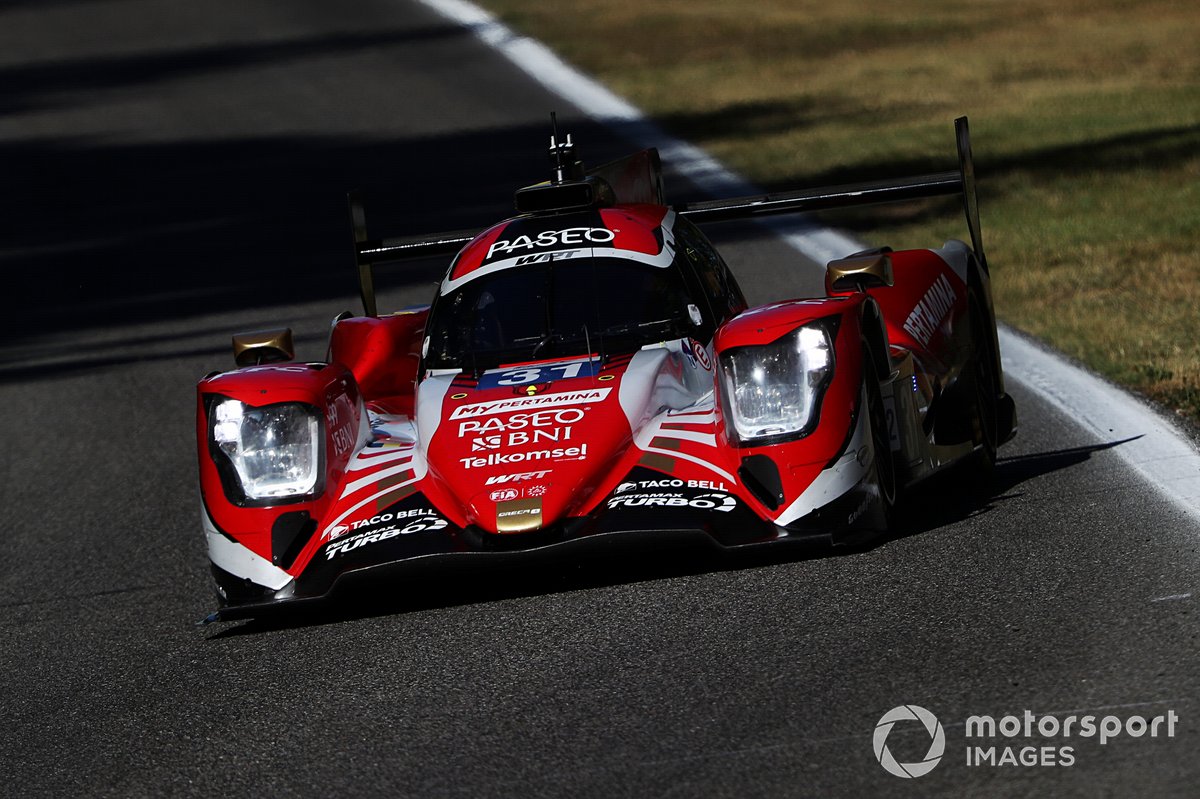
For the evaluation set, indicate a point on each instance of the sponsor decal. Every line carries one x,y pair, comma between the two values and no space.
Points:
343,440
510,512
341,433
499,459
408,522
520,429
857,513
700,354
708,485
522,422
487,443
508,494
722,503
518,477
687,353
546,257
527,376
930,312
552,238
477,409
382,518
518,515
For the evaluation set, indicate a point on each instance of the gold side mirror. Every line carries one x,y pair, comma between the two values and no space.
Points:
263,346
860,272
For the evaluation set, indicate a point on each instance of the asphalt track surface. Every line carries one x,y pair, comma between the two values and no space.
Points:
174,173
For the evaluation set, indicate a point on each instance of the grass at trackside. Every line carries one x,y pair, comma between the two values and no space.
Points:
1085,118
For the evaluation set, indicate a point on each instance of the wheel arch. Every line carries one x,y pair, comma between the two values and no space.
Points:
875,333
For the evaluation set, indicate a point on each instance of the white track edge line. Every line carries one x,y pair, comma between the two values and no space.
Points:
1159,451
1152,445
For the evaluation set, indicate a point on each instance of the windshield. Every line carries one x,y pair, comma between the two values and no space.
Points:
553,309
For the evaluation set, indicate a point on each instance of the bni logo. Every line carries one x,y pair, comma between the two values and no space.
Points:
937,746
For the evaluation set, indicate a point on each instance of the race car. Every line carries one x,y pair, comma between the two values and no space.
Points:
589,372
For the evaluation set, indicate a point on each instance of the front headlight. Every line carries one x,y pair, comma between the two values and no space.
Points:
274,450
775,390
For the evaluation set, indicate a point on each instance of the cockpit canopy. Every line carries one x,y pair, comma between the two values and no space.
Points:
605,281
551,309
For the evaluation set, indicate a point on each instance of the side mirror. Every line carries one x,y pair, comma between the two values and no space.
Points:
860,272
263,346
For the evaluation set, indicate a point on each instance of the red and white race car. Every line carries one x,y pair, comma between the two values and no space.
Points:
589,369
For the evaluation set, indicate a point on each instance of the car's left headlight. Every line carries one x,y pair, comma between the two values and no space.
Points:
773,391
274,450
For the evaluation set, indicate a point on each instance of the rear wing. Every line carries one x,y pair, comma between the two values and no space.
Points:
368,252
638,178
960,181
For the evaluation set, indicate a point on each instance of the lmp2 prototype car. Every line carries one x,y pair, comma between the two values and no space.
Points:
588,370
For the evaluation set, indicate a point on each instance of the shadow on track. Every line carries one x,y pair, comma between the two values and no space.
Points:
98,235
957,495
548,572
38,85
943,500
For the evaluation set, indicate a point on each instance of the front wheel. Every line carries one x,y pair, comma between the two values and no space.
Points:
881,443
868,528
986,385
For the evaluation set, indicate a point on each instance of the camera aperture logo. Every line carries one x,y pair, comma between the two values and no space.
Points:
937,746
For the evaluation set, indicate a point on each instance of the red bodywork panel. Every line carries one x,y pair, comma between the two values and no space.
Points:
384,354
329,389
924,310
799,461
478,441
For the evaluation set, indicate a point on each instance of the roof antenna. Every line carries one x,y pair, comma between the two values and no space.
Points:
562,153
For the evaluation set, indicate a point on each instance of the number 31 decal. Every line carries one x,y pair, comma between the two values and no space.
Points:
542,373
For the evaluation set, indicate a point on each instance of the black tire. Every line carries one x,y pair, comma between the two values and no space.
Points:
985,417
885,464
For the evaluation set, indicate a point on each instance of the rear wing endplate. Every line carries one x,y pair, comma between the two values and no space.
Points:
368,252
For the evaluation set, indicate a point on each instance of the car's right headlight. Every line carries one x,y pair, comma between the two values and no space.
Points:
773,391
274,450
